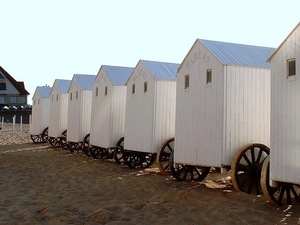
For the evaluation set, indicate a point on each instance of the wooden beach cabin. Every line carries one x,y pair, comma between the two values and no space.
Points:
222,105
108,109
150,110
58,111
40,114
79,109
281,179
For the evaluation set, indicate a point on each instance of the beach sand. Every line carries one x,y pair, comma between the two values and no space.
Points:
43,185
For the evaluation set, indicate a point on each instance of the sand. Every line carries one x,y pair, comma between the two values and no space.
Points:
43,185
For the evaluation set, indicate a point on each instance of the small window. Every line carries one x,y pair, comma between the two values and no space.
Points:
56,97
133,89
208,76
145,86
2,85
97,91
71,96
52,98
76,94
186,81
105,91
291,65
33,101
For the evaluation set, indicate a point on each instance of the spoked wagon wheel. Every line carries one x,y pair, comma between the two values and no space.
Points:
163,156
86,143
118,152
54,142
182,172
97,152
37,138
246,168
131,159
283,192
40,138
72,146
63,140
45,135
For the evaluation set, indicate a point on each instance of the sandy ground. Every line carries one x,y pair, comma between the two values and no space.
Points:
42,185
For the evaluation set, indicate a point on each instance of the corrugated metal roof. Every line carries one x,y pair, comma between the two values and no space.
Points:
239,54
118,75
44,91
63,85
85,81
161,70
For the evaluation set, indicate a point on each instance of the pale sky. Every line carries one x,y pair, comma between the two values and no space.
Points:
44,40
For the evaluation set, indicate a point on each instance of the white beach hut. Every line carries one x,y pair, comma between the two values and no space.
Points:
281,179
79,109
108,109
222,104
40,114
58,111
150,110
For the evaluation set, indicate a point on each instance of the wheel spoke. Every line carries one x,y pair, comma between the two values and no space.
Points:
247,159
259,156
288,195
295,193
257,185
252,155
185,174
281,194
250,185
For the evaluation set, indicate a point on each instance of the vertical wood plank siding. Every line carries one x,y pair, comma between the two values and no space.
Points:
285,112
58,112
40,113
213,121
150,116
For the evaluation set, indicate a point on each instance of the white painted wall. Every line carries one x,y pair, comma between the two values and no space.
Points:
213,121
150,117
285,113
40,114
58,112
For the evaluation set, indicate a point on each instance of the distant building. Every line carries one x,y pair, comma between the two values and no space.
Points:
12,92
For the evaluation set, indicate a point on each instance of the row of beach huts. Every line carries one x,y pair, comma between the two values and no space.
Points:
229,106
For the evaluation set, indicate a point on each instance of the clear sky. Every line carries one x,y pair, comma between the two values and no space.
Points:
44,40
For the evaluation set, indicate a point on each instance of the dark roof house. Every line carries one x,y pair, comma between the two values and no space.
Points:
12,92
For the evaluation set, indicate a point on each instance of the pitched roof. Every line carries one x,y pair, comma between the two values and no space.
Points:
117,75
19,85
161,70
44,91
63,85
239,54
271,56
85,81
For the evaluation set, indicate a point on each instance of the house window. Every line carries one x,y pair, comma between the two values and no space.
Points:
105,90
2,99
208,76
133,89
97,91
291,66
22,100
71,96
13,99
76,94
2,85
186,81
56,97
52,98
145,87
